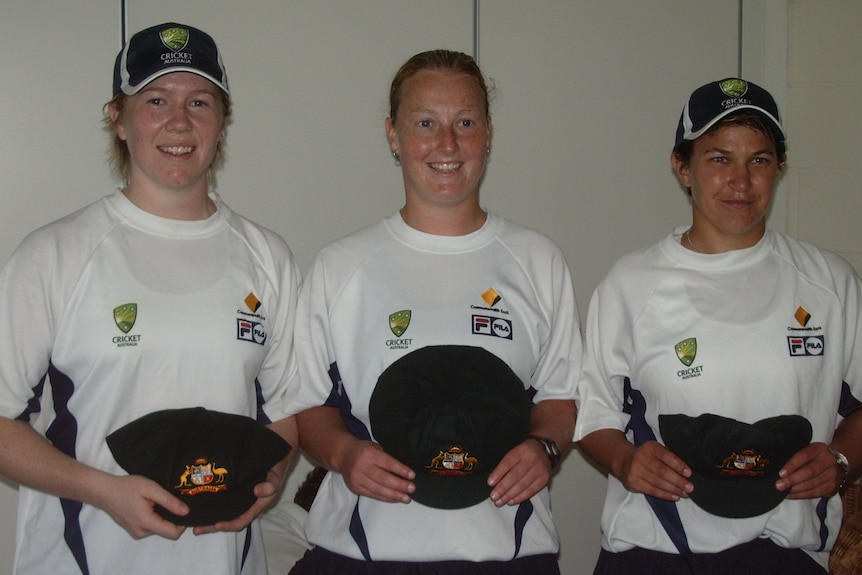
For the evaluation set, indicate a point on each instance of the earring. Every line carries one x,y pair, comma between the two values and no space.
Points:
397,158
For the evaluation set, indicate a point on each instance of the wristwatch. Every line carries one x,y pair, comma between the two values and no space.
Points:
842,462
552,450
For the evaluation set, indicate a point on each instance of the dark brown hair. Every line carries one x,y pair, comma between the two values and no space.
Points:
745,117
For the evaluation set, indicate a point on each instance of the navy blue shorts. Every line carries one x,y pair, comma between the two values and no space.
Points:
319,561
753,558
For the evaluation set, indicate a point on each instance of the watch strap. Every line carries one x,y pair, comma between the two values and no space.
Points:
842,462
552,450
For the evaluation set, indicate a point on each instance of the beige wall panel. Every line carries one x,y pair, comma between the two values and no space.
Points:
825,46
56,61
829,206
824,124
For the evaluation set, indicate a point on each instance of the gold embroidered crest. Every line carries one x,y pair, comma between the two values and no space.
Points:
748,462
453,461
202,477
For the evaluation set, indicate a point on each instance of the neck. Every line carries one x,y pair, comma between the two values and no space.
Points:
704,243
191,206
444,221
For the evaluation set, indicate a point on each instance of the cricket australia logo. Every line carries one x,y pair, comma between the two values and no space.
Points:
686,352
174,39
734,87
400,321
124,318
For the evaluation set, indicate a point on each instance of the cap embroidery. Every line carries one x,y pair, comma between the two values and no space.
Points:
455,461
734,87
748,463
174,39
202,477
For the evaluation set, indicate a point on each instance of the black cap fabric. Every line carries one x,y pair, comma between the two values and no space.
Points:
208,459
450,413
163,49
712,102
735,465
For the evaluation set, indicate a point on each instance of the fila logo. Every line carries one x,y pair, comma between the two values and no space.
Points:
802,346
250,331
493,326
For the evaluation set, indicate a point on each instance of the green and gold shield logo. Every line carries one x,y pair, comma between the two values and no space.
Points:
686,350
174,38
400,321
734,87
125,316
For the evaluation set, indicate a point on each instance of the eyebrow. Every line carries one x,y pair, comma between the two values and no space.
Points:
765,151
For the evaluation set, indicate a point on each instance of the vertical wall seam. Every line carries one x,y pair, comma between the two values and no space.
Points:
476,30
739,41
122,23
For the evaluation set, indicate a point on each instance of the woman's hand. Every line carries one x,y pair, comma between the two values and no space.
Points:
522,473
370,471
812,472
651,469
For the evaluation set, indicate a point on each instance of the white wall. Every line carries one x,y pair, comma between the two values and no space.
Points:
588,96
824,123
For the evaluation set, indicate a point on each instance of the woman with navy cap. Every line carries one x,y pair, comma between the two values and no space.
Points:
723,324
157,296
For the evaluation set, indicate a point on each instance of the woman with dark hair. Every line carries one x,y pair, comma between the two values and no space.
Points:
723,369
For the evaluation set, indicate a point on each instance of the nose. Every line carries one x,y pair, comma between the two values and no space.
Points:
448,140
740,177
178,118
